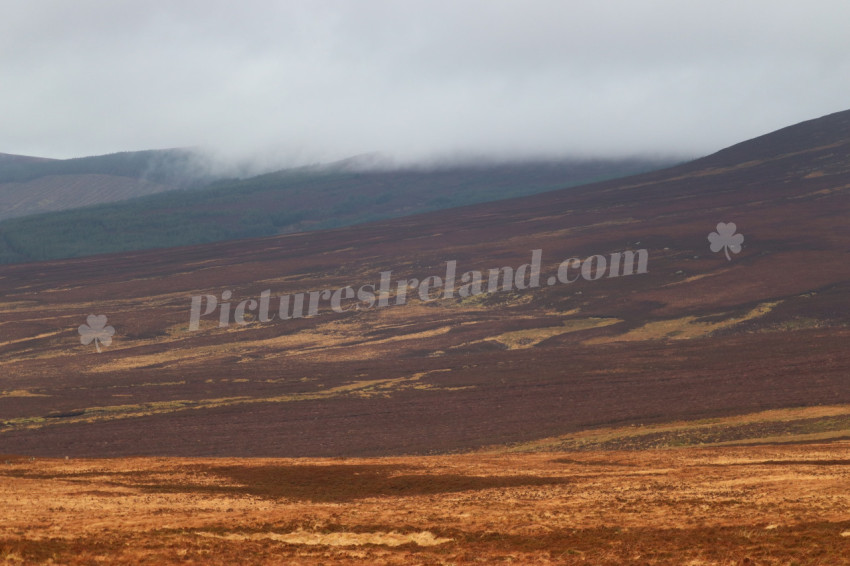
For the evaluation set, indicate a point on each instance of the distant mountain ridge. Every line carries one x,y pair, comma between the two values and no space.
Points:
159,165
63,192
155,215
13,158
34,185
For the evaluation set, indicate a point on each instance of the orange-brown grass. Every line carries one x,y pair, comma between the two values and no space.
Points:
731,505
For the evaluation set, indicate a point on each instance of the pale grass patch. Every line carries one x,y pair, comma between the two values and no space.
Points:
692,278
18,305
423,538
771,479
823,192
601,435
413,336
298,277
30,338
21,393
775,439
174,355
682,328
520,339
479,302
564,232
365,389
305,339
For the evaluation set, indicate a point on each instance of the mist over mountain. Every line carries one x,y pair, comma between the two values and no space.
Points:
33,185
183,197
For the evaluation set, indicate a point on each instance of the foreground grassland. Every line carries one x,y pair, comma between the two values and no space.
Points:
762,504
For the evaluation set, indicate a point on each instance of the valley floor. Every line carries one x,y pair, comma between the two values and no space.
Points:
758,504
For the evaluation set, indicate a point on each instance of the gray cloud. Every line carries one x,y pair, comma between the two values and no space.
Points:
299,82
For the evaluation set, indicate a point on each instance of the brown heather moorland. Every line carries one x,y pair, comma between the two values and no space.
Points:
662,418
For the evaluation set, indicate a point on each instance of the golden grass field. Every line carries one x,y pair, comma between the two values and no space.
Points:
759,504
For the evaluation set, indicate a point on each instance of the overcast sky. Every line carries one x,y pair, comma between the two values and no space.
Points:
321,80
